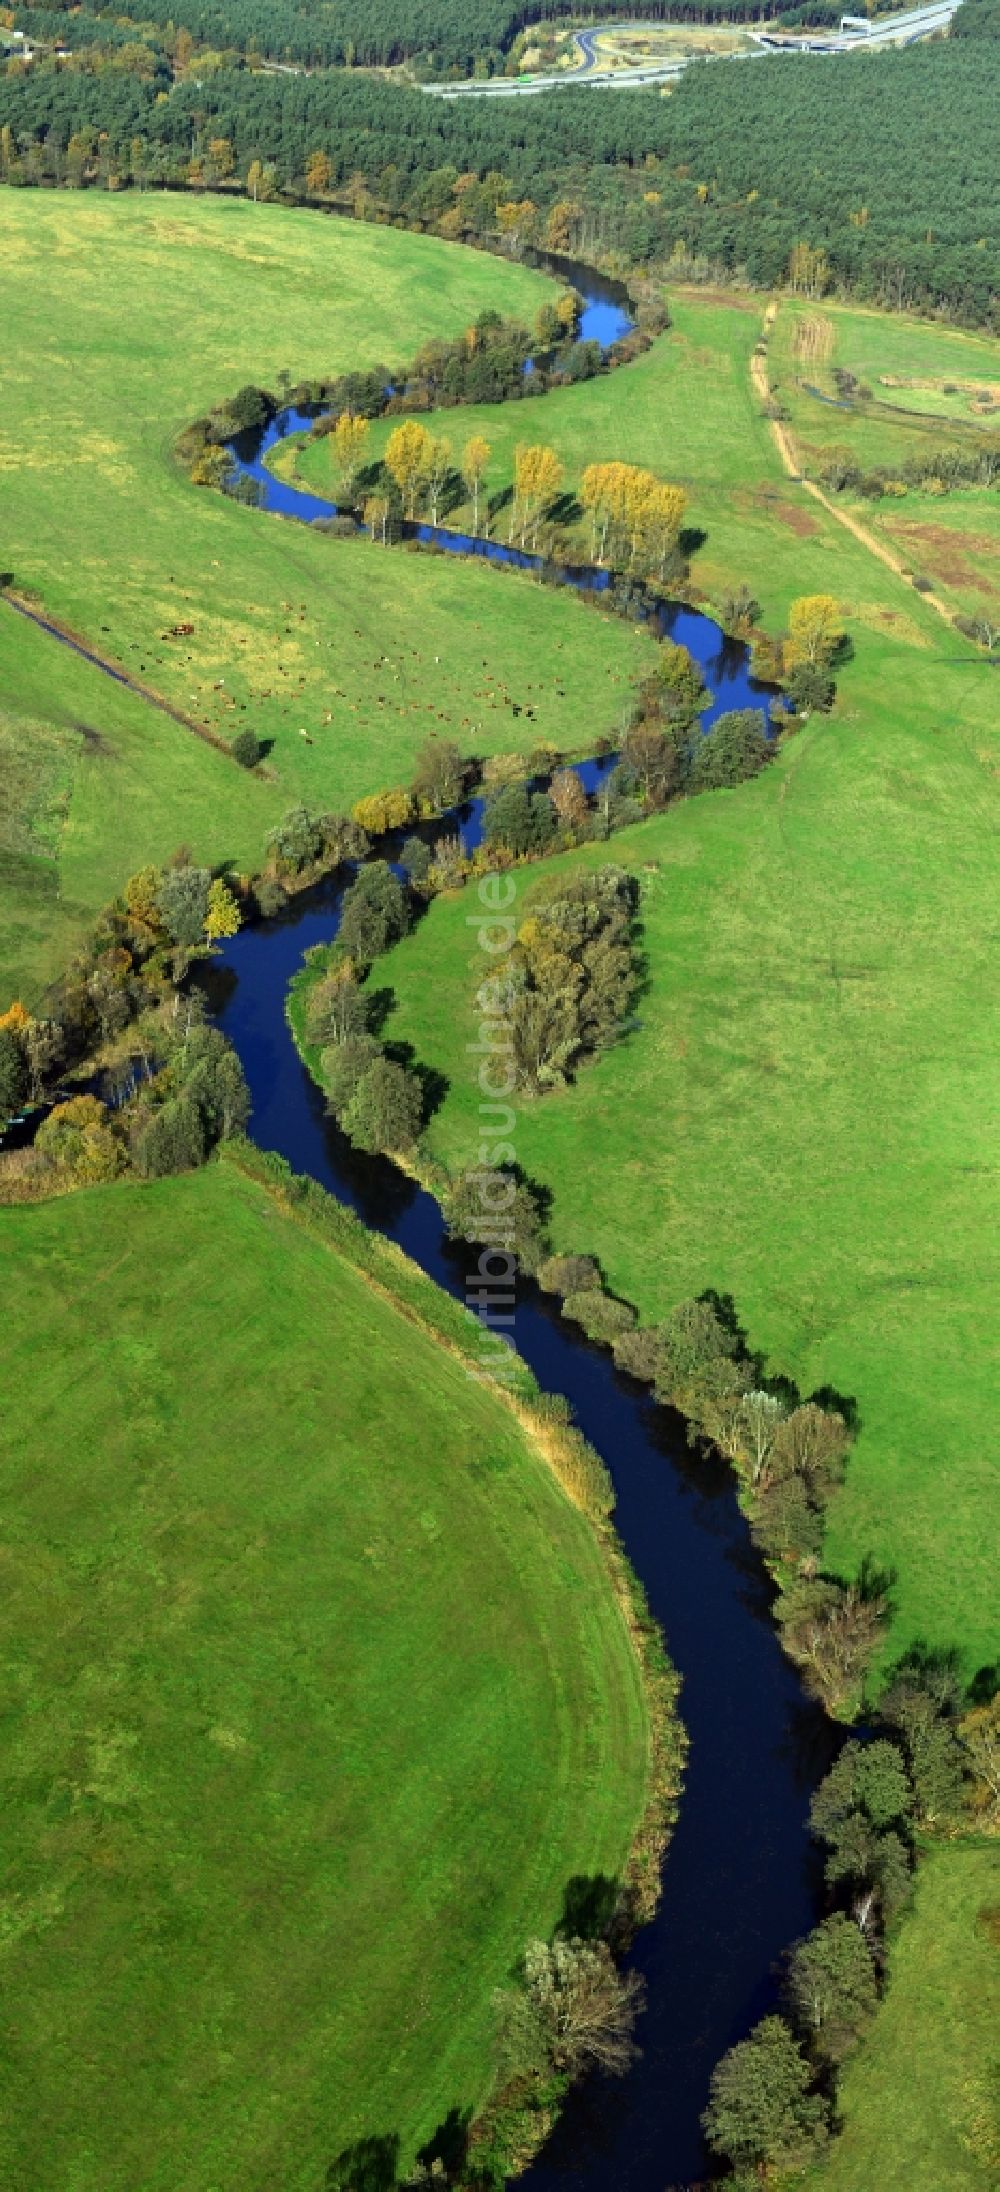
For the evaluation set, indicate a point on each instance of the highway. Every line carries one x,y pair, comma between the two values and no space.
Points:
893,30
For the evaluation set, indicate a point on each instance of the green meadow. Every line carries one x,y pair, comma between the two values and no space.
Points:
802,1114
801,1117
687,411
917,2102
943,374
317,1698
125,317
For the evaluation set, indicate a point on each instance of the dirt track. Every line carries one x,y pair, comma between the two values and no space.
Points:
786,451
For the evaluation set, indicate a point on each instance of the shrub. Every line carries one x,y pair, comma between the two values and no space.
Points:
170,1139
246,749
568,1275
385,1110
385,810
601,1316
735,749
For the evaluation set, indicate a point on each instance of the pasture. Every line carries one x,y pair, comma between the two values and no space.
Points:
270,1839
125,318
802,1115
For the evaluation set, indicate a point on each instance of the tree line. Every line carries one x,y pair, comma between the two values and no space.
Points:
887,176
932,1768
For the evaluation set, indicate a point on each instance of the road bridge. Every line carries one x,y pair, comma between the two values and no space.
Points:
891,30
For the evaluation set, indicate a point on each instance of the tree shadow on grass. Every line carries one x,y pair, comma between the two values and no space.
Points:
368,2165
590,1904
448,2146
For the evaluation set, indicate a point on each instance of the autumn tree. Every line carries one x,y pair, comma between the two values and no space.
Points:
437,471
475,460
538,476
376,516
569,800
574,2011
261,182
809,270
561,226
222,913
815,631
318,173
350,440
77,1139
406,458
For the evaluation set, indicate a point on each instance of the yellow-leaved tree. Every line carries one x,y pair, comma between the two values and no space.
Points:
350,440
538,476
437,471
406,456
318,172
815,630
222,913
475,460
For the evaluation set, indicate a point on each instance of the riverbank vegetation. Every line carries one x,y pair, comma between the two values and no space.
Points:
916,2101
340,668
778,2097
502,1793
687,413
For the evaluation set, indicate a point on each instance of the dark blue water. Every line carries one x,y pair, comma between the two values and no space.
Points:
740,1881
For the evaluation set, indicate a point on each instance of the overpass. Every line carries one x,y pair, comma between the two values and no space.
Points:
890,30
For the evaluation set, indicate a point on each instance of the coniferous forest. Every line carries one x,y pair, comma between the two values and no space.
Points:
888,175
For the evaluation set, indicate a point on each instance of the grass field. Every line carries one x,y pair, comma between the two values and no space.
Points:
803,1117
919,2099
686,410
953,540
126,317
317,1697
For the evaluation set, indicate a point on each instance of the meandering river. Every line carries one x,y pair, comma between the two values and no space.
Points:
741,1880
